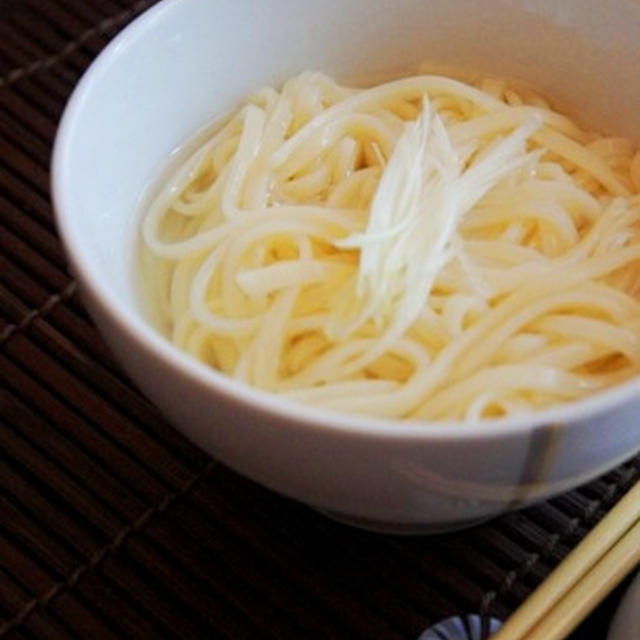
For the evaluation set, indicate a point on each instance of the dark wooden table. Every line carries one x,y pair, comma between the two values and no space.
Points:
112,525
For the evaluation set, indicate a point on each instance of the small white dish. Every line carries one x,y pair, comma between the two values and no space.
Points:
626,621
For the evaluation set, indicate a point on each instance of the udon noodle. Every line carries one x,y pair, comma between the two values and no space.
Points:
423,249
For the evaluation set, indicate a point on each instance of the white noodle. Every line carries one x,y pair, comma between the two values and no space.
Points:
423,249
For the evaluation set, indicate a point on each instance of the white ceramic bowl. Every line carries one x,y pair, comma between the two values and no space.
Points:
185,61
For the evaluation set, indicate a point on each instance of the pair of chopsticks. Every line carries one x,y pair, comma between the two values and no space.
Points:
583,578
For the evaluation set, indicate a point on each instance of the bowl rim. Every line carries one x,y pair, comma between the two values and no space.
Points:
153,343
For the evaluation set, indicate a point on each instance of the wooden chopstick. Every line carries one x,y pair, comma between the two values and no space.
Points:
560,621
620,525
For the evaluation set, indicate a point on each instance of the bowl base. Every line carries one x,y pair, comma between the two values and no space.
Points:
402,528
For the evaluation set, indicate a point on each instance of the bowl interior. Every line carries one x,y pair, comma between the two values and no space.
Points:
185,61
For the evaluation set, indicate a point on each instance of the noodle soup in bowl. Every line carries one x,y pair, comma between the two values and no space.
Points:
147,105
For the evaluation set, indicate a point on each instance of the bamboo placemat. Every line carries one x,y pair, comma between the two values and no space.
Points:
114,526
